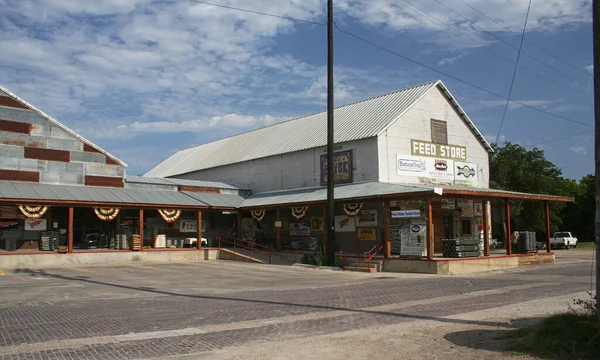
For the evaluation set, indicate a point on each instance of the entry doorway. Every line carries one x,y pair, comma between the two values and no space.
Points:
442,229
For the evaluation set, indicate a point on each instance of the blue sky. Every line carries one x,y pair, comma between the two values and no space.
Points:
144,78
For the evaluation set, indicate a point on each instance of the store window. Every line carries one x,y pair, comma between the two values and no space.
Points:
439,132
465,227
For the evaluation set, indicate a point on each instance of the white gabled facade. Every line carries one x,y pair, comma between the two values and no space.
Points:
415,124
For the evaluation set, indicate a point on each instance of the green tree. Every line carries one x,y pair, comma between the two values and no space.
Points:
514,168
578,217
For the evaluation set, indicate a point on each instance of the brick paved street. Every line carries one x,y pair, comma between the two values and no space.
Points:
202,309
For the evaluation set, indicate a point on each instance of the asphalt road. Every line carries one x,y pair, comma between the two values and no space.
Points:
204,309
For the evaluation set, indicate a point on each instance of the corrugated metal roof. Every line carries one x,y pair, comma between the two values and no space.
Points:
181,182
355,121
315,194
60,125
33,191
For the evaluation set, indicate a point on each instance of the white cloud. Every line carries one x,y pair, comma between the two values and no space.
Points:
486,104
233,122
578,149
590,68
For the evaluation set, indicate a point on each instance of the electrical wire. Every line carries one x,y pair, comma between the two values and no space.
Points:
512,82
560,86
399,55
258,12
381,47
561,138
528,41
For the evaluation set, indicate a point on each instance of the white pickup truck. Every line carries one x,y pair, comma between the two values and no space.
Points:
563,239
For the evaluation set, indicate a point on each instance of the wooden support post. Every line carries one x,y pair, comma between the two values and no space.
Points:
325,232
141,230
430,232
508,231
387,245
199,231
278,233
548,244
70,231
238,231
486,233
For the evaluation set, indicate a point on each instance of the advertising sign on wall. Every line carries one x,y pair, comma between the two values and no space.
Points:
406,213
342,162
366,218
35,224
430,170
448,204
367,234
344,223
465,174
316,223
190,225
299,229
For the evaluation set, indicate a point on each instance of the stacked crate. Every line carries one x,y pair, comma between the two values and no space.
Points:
160,241
526,243
461,248
121,242
135,242
49,240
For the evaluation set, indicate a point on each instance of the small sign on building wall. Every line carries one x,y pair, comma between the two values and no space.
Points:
35,224
406,213
342,162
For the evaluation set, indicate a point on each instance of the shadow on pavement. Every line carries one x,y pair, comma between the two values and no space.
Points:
491,340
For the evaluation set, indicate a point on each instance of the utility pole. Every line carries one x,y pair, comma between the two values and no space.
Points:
330,221
596,30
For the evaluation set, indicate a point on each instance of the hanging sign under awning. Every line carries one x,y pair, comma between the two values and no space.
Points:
406,213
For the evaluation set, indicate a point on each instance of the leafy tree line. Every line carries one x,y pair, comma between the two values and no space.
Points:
514,168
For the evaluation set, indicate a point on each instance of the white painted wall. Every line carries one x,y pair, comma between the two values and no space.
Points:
415,124
294,170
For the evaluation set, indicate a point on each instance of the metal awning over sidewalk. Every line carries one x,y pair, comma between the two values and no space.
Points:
374,190
33,193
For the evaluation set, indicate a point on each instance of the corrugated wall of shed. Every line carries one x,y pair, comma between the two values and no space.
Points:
299,169
30,144
416,124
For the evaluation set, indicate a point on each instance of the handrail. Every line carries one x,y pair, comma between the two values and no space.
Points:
368,253
236,244
373,255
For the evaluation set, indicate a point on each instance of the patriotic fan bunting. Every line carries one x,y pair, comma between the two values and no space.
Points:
353,209
170,215
258,214
106,214
299,212
33,211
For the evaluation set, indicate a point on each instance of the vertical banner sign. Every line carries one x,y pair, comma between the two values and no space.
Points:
342,163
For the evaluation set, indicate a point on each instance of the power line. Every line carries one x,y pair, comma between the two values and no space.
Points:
456,78
512,82
528,41
561,138
258,12
508,43
538,74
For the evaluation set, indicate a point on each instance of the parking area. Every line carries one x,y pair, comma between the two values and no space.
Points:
221,309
